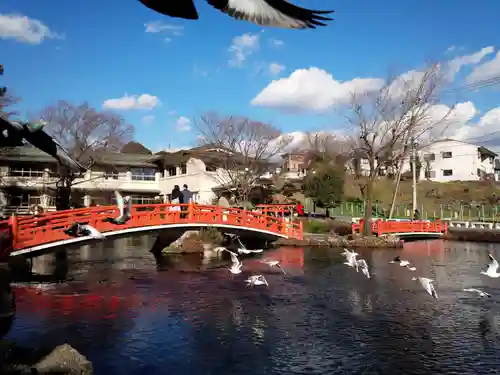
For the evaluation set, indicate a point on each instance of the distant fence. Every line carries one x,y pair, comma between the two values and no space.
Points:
458,212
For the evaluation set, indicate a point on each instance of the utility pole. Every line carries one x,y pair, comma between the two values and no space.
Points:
414,171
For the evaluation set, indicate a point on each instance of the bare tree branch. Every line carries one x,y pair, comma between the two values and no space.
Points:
386,122
87,134
246,150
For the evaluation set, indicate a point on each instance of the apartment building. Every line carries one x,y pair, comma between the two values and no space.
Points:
294,165
28,177
452,160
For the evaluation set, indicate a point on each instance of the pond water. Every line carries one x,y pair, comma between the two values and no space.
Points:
130,314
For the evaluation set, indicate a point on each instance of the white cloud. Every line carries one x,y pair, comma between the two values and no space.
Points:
144,101
485,71
456,64
312,89
25,29
160,27
183,124
147,120
277,43
275,68
242,47
450,49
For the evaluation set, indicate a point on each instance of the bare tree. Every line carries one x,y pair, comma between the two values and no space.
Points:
86,133
247,148
323,146
387,122
6,99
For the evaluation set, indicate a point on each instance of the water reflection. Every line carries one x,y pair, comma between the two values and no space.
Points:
132,313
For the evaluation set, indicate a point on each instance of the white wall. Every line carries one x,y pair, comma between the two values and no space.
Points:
464,162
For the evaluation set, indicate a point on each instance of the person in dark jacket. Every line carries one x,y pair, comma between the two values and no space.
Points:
176,195
187,194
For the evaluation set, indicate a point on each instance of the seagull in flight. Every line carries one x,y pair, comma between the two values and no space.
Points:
351,259
274,263
478,291
403,263
427,284
244,250
274,13
256,280
12,134
361,263
124,207
236,263
492,270
82,230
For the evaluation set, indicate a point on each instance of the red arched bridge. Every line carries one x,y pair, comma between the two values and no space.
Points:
28,234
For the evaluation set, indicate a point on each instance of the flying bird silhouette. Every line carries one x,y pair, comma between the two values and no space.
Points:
275,13
12,134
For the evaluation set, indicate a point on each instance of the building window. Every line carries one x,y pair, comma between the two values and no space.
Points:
446,154
430,174
430,157
183,168
143,174
210,168
137,199
447,172
26,172
172,171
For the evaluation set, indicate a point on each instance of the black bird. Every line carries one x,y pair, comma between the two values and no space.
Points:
276,13
12,134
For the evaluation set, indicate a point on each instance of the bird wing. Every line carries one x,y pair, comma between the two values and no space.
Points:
119,202
362,263
282,270
427,284
43,141
93,232
177,8
492,267
234,259
277,13
261,277
11,135
128,207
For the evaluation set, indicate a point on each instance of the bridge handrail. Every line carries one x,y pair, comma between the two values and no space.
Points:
381,227
28,231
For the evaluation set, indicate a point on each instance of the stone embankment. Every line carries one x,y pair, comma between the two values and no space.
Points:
334,240
472,235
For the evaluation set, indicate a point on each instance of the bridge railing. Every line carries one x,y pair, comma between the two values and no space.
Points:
381,227
29,231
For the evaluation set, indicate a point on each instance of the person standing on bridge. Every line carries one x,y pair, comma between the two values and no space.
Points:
176,198
187,195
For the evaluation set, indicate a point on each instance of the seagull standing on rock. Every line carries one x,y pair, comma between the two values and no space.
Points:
275,13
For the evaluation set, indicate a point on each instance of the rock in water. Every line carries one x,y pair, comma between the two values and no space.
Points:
66,360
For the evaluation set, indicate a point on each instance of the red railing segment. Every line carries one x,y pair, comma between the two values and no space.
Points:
29,231
381,227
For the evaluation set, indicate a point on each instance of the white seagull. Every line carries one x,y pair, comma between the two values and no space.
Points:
276,13
478,291
403,263
256,280
124,207
427,284
236,266
364,267
351,259
79,230
492,270
244,250
274,263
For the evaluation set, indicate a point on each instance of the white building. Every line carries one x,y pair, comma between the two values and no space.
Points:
452,160
28,177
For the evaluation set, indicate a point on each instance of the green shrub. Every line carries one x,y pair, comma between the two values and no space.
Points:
327,226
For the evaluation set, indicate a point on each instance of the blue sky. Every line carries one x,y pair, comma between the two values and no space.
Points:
100,50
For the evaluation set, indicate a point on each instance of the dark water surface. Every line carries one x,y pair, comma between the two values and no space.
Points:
129,315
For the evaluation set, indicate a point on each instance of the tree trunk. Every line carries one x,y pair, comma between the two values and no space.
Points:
368,207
